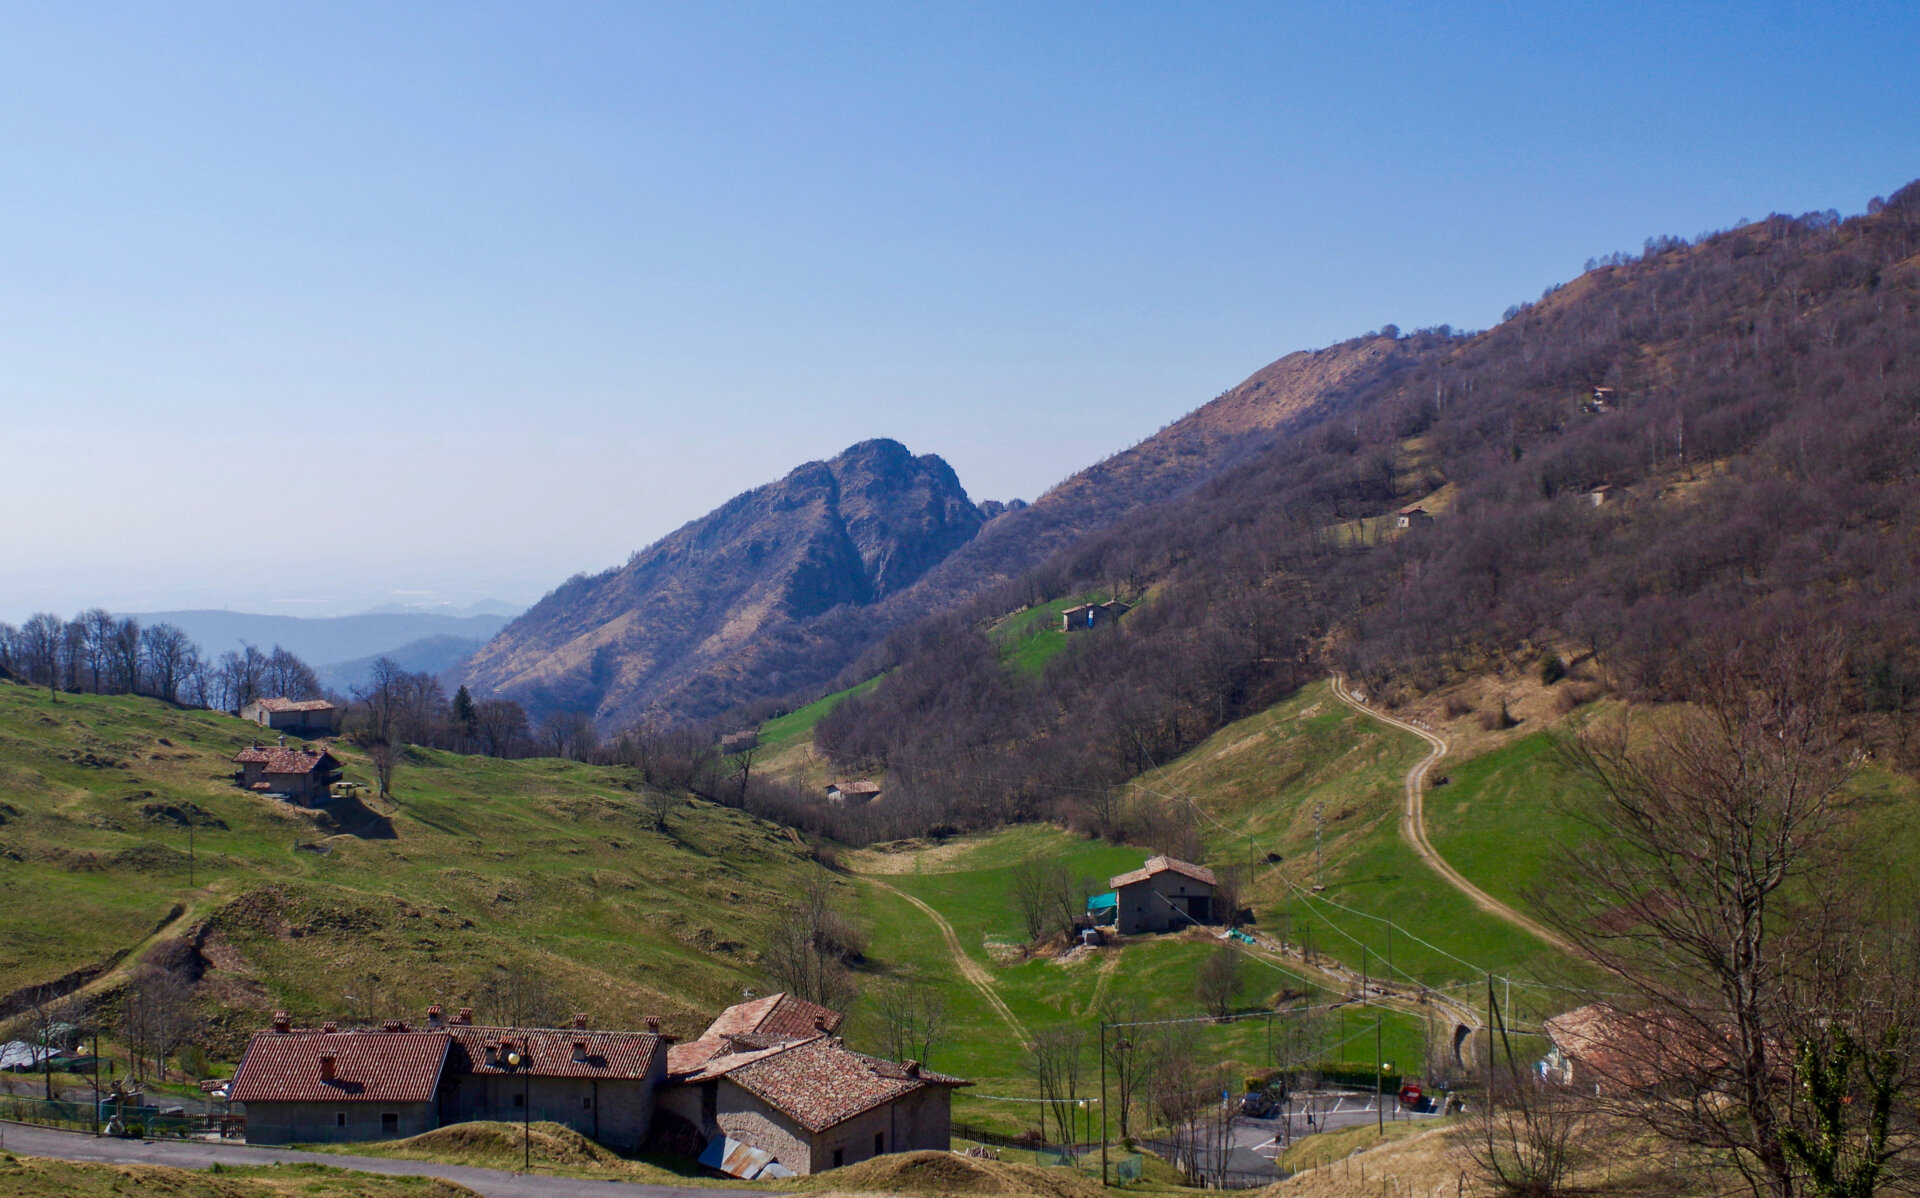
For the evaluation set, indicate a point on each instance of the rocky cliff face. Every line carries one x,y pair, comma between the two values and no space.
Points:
830,538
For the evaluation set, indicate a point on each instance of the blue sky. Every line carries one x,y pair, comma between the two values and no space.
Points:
305,307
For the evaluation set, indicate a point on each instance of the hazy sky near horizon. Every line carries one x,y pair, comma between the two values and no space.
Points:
305,308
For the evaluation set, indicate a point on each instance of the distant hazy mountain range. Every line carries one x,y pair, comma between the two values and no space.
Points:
340,648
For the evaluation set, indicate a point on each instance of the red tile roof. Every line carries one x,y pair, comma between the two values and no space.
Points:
819,1083
760,1023
550,1051
368,1067
295,704
1161,865
286,761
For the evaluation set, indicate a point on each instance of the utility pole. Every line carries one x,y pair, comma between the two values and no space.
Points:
189,850
1103,1102
1319,858
1379,1107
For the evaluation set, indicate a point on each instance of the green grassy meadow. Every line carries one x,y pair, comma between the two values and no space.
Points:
545,864
798,724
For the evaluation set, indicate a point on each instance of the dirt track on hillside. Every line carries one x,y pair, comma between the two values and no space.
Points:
1413,827
970,969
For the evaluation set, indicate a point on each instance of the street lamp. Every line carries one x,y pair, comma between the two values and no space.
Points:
515,1060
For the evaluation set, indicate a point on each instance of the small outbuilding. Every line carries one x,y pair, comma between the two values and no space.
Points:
1412,517
1164,895
301,775
1092,615
302,717
853,794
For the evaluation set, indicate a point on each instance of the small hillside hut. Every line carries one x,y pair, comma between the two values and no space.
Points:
300,775
853,794
1092,615
302,717
1412,517
1164,895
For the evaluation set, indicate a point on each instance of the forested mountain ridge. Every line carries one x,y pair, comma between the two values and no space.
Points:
1750,403
838,534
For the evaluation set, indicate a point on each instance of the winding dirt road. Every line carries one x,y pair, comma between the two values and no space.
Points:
1413,826
970,969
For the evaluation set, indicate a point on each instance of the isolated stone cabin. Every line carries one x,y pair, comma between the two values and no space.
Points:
1164,895
302,1085
302,717
302,775
852,794
767,1084
771,1075
1412,517
1092,615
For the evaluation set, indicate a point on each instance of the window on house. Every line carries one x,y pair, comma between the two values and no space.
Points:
586,1103
519,1100
839,1157
879,1142
339,1118
389,1124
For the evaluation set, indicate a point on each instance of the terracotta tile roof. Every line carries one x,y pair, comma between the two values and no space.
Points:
780,1016
759,1023
286,761
295,704
862,787
1161,865
367,1067
1639,1050
819,1083
551,1051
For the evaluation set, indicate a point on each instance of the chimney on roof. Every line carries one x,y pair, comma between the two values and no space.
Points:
326,1067
392,1025
579,1019
579,1050
653,1024
913,1069
435,1016
465,1017
281,1023
329,1026
819,1023
283,740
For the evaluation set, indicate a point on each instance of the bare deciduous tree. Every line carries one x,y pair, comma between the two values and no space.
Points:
912,1016
810,946
1059,1053
1220,979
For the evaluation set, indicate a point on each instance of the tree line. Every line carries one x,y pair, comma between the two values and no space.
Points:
99,653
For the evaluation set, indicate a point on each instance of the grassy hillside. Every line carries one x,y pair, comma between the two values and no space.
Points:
545,864
1252,788
33,1177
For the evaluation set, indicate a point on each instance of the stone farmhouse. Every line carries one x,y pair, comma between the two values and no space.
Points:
1164,895
302,717
770,1076
768,1090
301,775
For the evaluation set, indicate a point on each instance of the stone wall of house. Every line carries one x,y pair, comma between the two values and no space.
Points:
746,1118
616,1111
923,1119
1158,904
322,1123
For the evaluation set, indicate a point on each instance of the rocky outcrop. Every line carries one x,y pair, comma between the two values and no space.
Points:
829,539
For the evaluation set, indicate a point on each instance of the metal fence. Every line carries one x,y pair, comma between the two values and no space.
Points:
145,1121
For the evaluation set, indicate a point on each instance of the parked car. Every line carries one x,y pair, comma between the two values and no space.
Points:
1257,1103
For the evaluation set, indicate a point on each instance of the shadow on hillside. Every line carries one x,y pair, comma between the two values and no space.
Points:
348,816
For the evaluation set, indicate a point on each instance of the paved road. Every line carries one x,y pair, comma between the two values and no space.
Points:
29,1140
1413,827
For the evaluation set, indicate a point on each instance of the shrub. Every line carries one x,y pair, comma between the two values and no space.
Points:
1552,669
